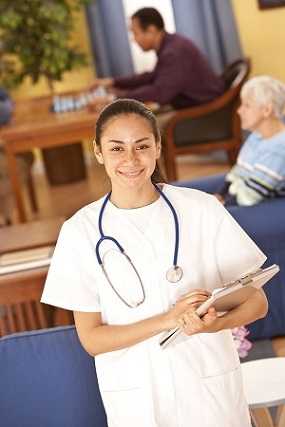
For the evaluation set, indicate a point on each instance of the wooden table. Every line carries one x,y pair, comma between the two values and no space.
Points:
30,235
34,126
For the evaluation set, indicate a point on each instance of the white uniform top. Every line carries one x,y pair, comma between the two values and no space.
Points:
195,380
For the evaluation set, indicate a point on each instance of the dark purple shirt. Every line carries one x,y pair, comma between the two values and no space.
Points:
182,76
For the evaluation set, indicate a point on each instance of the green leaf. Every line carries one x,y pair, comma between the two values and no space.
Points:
36,34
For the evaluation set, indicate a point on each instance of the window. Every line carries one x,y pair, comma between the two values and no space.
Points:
145,61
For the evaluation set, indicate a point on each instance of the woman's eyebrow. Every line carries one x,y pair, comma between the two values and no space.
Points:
117,141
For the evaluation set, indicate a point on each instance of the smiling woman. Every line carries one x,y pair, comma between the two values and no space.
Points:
112,266
129,153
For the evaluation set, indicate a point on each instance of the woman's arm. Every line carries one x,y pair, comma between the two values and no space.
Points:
254,308
98,338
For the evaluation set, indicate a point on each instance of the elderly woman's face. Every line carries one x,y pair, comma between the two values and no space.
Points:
251,113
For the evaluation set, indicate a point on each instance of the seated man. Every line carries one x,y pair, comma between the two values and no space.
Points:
260,169
182,76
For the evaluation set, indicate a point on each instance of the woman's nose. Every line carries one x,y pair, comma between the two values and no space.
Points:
131,155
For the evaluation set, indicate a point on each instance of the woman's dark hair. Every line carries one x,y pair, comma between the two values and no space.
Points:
149,16
128,106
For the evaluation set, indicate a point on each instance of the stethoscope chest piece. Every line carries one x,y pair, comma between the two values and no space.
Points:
174,274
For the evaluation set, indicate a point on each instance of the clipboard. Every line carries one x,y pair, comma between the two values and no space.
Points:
230,296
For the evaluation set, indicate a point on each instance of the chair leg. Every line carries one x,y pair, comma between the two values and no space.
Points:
31,191
261,417
280,417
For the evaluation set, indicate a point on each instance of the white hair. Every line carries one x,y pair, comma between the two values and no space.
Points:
266,90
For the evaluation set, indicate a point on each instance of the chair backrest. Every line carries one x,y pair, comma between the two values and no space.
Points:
20,307
214,120
47,379
208,127
236,72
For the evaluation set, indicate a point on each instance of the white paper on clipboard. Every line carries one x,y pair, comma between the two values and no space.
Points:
229,296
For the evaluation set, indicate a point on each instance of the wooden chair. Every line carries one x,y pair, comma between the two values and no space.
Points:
209,127
29,158
19,301
20,307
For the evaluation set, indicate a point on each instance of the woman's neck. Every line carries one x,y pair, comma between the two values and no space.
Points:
270,127
135,198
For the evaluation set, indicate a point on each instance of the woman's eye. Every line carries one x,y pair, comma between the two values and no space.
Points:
116,149
142,147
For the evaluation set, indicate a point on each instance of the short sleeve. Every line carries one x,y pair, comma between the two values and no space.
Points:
71,280
236,252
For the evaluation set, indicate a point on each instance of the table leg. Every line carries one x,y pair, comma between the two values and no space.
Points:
280,416
261,417
15,184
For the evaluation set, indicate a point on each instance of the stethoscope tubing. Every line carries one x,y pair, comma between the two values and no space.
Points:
177,237
121,249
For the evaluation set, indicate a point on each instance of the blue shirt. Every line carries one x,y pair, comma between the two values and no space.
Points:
261,164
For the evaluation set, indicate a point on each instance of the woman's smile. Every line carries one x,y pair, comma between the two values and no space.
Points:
130,173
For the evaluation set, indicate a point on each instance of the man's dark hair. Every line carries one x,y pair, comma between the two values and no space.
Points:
149,16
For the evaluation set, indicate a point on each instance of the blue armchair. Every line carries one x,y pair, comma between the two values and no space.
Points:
265,224
48,380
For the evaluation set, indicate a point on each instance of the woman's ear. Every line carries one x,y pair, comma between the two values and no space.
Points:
98,153
158,149
268,110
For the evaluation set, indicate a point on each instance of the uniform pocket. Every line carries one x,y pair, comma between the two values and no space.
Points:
223,396
218,353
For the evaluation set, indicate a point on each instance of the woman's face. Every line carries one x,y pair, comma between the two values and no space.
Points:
252,115
128,151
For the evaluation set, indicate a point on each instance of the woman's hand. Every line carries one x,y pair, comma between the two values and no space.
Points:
187,304
191,323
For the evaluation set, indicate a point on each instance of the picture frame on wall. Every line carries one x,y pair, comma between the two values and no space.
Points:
268,4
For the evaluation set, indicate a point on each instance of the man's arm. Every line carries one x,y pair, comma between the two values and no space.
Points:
120,85
166,84
133,81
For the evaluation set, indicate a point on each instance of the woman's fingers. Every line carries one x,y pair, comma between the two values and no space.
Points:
196,299
190,323
195,293
210,316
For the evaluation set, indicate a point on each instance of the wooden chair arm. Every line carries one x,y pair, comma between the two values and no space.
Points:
202,110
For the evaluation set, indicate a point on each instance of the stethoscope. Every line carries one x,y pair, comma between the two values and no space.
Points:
173,275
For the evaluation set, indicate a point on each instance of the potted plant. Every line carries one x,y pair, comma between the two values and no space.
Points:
36,43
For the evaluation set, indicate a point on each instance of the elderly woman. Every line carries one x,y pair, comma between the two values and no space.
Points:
260,169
